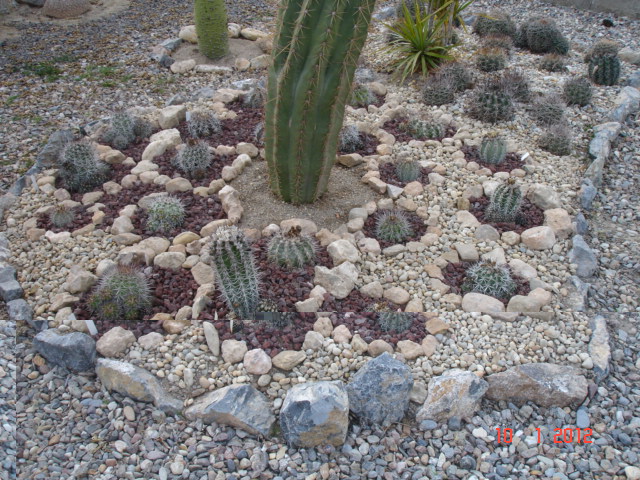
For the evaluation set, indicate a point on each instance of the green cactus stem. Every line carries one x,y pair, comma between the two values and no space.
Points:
604,70
211,28
505,203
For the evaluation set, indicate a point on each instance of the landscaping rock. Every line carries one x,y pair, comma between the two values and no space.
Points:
539,238
212,338
544,196
312,341
188,34
560,221
115,342
341,334
486,233
477,302
66,8
257,362
410,350
80,280
582,255
170,260
467,252
397,295
599,349
338,281
378,347
233,351
171,117
75,351
150,340
288,359
343,251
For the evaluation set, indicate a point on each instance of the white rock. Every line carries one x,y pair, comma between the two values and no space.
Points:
539,238
343,251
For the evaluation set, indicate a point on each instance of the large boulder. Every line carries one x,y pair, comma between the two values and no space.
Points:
75,351
66,8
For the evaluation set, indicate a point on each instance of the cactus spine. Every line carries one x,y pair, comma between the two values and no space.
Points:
211,28
395,321
316,49
604,70
292,249
493,150
408,170
505,203
489,279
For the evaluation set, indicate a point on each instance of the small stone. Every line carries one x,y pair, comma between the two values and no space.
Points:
312,340
435,326
115,342
378,347
477,302
341,334
233,351
410,350
486,233
257,362
150,340
212,338
467,252
539,238
397,295
287,359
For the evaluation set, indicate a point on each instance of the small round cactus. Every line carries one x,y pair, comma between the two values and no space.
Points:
505,203
362,96
457,74
202,124
542,35
292,249
439,90
552,62
492,105
604,69
493,150
394,321
407,170
516,84
602,48
548,110
124,129
490,279
421,129
577,91
491,60
165,214
557,140
61,216
350,139
80,167
194,159
494,22
393,226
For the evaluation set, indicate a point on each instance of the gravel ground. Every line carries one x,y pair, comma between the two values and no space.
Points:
8,447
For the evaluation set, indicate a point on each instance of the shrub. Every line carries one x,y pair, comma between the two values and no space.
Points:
292,249
202,124
548,110
542,35
407,170
491,60
557,140
122,294
439,90
577,91
552,62
350,139
604,70
421,129
194,159
456,73
490,279
61,216
492,104
80,167
516,84
393,226
494,22
395,321
505,203
165,214
125,129
493,150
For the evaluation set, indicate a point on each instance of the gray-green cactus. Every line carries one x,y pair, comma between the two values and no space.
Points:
395,321
505,203
194,159
202,124
393,226
124,129
350,139
165,214
407,170
493,150
211,27
61,216
80,167
577,91
422,130
292,249
604,70
490,279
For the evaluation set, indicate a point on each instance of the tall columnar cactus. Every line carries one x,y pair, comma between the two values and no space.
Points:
604,70
236,271
316,49
493,150
211,28
505,203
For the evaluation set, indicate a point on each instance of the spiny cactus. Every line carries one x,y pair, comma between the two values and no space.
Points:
492,105
439,90
457,74
602,48
165,214
490,279
393,226
395,321
361,96
269,313
494,22
548,110
125,129
552,62
256,97
577,91
122,294
292,249
505,203
80,167
202,124
407,170
194,159
421,129
412,5
604,70
542,35
211,27
61,216
350,139
491,60
236,272
515,83
493,150
557,140
502,42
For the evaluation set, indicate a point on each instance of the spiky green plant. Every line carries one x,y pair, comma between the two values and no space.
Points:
350,139
421,129
202,124
395,321
316,50
194,159
494,22
165,214
493,149
80,167
458,74
408,170
61,216
602,48
542,35
487,278
515,83
393,226
236,273
548,110
505,203
557,140
124,129
292,249
604,70
439,90
492,104
491,60
552,62
269,313
211,27
411,5
577,91
123,293
361,96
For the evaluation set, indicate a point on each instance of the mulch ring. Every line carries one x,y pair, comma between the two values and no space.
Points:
171,290
455,274
388,175
370,143
81,218
511,162
395,128
417,226
530,216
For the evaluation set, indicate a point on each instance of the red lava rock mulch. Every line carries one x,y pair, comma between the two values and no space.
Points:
530,216
417,225
388,175
369,148
394,127
455,274
365,324
511,162
81,218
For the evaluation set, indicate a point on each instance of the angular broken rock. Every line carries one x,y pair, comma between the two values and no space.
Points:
115,341
240,406
455,393
136,383
599,349
544,384
338,281
75,351
379,391
315,414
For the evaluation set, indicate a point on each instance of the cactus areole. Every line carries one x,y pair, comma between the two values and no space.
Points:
315,52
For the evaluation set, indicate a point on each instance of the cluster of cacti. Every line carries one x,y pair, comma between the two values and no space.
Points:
457,74
362,96
552,62
269,313
494,22
292,249
165,214
194,158
491,59
316,49
236,272
422,130
505,203
557,140
577,91
124,129
502,42
488,278
393,226
492,103
394,321
548,110
493,149
542,35
80,167
211,27
408,170
122,294
202,124
604,69
351,140
61,216
516,84
439,90
602,48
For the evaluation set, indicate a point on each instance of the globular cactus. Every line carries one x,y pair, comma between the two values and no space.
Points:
202,124
123,293
602,48
501,42
194,159
256,97
80,167
492,104
493,150
491,60
487,278
439,90
421,129
577,91
557,140
292,249
269,313
61,216
604,70
494,22
457,74
124,129
548,110
165,214
394,321
408,170
211,27
515,83
350,139
361,96
542,35
552,62
316,50
236,273
505,203
393,226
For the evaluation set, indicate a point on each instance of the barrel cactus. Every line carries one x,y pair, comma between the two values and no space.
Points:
501,42
165,214
604,70
488,278
316,50
194,159
493,149
577,91
292,249
393,226
394,321
124,129
505,203
552,62
61,216
439,90
457,74
492,104
491,59
494,22
80,167
542,35
211,27
548,110
361,96
422,129
556,140
202,124
602,48
407,170
350,139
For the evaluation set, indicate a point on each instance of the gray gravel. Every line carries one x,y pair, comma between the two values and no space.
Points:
7,397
